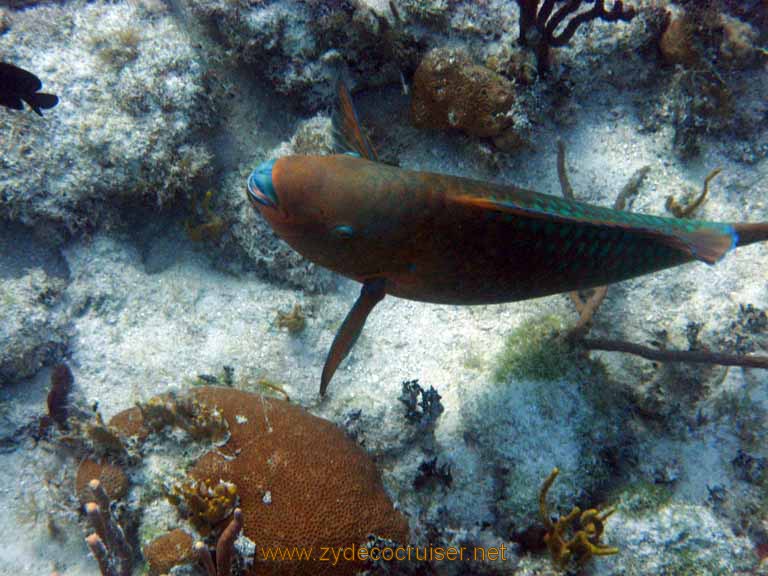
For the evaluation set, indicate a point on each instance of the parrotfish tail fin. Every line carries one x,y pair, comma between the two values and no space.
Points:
371,294
699,240
708,243
347,126
751,233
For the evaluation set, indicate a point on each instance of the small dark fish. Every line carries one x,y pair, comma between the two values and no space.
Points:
16,84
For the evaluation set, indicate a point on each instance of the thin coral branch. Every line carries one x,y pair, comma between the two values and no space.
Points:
562,172
587,312
687,356
107,529
99,551
631,188
225,547
683,211
527,19
204,556
543,491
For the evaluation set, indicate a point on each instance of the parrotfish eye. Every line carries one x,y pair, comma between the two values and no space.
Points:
343,232
260,187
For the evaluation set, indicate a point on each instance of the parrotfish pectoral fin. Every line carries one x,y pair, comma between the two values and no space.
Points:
372,292
705,241
347,126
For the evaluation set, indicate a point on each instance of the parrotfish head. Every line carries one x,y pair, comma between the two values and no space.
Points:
261,191
317,206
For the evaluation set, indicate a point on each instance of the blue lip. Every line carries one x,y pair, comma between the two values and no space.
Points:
260,187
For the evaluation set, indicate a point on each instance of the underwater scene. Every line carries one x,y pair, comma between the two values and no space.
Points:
383,287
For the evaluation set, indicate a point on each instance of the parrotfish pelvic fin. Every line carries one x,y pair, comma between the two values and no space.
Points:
347,126
705,241
372,292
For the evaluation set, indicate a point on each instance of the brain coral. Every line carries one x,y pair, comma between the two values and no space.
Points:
130,423
301,481
112,478
169,550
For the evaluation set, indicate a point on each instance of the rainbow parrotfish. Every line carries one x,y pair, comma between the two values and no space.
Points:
450,240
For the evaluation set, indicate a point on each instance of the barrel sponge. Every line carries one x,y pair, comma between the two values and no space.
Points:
169,550
112,478
301,481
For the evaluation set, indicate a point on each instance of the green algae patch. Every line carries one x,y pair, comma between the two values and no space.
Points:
534,350
641,498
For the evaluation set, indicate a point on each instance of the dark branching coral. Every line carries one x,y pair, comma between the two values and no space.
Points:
539,23
433,474
576,536
422,407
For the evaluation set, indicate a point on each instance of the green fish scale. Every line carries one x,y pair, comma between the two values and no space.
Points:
608,216
588,248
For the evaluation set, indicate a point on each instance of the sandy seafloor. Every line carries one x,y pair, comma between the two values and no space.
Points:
99,271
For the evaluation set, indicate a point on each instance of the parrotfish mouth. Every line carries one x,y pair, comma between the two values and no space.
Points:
260,187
